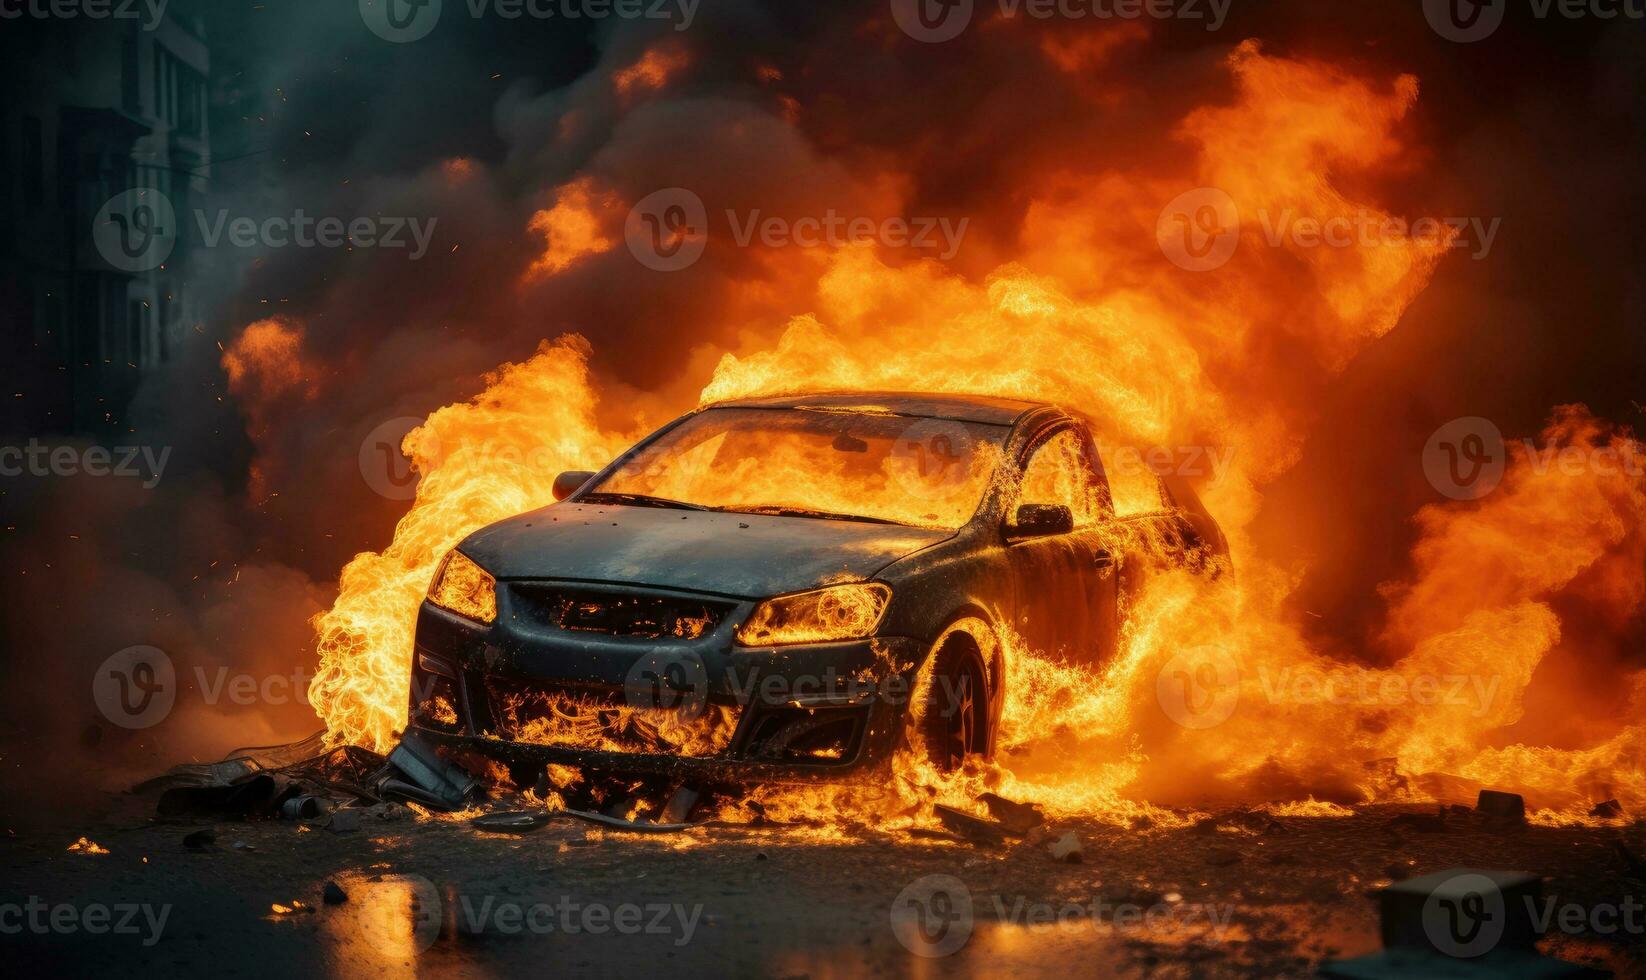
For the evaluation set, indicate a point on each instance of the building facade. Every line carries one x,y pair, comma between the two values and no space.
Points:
95,163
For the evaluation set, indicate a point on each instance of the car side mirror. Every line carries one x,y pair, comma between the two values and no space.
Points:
1041,521
570,482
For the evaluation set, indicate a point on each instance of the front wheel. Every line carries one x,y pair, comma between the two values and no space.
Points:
953,722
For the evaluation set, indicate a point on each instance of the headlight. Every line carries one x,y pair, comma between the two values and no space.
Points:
465,588
840,612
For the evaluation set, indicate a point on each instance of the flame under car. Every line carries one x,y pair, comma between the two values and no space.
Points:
792,588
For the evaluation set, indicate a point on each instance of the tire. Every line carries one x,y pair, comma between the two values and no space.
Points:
953,726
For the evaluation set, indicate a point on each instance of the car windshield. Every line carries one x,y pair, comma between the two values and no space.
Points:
857,464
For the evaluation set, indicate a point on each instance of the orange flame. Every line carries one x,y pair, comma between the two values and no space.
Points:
1092,316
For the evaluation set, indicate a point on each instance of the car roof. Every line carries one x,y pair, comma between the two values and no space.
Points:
961,408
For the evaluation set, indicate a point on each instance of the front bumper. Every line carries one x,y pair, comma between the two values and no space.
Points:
799,713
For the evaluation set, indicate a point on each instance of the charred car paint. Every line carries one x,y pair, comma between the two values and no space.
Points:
620,634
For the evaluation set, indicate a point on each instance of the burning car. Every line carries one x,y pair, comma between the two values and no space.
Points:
697,610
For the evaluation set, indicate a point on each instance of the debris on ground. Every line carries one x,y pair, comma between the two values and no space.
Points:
344,821
679,807
511,821
430,779
245,797
974,829
306,780
635,826
84,846
1608,809
1418,943
1502,806
333,894
1067,849
1426,823
303,806
1017,818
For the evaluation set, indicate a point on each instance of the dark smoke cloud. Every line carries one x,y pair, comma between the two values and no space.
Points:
335,121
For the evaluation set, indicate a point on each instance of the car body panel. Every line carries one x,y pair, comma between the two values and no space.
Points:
1060,594
960,408
749,555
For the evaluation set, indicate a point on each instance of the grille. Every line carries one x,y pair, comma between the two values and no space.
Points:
619,613
544,716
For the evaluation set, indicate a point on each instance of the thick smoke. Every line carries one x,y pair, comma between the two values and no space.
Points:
790,110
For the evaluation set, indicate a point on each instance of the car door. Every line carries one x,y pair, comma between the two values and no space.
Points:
1064,584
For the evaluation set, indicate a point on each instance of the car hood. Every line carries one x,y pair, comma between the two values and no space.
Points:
745,555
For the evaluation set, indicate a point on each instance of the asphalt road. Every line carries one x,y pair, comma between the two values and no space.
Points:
1243,896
